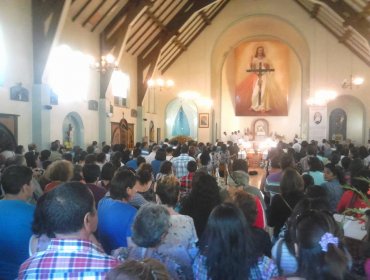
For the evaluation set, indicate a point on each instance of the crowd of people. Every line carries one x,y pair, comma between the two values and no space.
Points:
180,211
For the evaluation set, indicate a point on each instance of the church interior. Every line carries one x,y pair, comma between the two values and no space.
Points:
181,68
221,139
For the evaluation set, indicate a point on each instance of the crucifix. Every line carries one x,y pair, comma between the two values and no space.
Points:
260,71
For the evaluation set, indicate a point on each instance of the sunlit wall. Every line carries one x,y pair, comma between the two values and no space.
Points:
2,57
69,73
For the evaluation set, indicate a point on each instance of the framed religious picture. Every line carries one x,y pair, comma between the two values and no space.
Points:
203,120
19,93
262,78
93,105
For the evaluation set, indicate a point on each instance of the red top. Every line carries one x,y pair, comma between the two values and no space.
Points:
345,201
260,218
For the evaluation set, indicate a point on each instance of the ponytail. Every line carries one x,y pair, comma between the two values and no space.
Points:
335,262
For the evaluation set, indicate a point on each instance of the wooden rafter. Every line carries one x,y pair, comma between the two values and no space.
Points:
129,11
172,29
42,41
81,10
105,14
188,40
93,13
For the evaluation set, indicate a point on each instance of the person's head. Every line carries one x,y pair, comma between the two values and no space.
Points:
319,246
32,147
39,225
332,172
166,167
19,149
191,166
240,165
122,185
315,164
107,171
136,152
184,149
356,166
227,244
345,162
247,203
44,155
106,149
311,149
286,161
91,173
31,159
67,156
314,191
308,180
140,161
144,176
260,52
150,226
54,146
100,157
90,158
291,182
160,154
205,158
69,209
60,170
147,269
16,180
361,181
168,189
90,149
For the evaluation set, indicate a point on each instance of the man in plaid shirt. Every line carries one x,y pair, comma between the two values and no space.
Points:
180,163
186,181
68,211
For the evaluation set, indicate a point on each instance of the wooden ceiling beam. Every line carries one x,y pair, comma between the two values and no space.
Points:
105,15
93,13
43,41
84,6
131,10
172,29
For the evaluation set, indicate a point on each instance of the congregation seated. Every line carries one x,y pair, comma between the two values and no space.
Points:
291,192
144,183
147,269
352,199
91,175
150,227
315,170
58,172
69,214
239,177
334,184
254,216
16,216
113,232
182,231
219,258
204,196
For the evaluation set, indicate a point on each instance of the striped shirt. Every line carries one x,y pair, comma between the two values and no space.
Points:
73,259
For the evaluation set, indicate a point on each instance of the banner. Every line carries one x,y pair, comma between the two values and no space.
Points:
317,123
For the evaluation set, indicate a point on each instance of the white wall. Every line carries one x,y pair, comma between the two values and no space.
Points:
16,28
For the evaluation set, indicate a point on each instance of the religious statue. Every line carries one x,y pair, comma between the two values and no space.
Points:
151,132
123,126
69,137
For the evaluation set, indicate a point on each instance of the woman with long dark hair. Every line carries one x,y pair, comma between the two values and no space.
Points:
334,177
227,251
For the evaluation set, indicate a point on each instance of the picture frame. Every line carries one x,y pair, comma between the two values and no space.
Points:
203,120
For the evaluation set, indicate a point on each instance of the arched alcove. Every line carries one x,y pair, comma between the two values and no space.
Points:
181,118
255,29
355,113
74,120
7,138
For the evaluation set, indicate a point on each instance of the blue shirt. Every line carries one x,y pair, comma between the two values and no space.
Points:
115,221
132,164
16,218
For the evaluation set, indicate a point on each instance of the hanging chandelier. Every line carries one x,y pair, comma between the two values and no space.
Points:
352,82
107,62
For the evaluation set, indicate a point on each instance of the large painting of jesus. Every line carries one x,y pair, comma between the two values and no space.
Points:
262,78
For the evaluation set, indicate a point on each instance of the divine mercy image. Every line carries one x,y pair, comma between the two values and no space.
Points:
262,79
